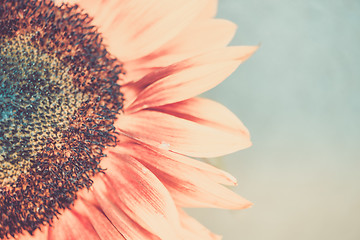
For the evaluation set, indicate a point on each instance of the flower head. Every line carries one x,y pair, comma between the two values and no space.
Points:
99,118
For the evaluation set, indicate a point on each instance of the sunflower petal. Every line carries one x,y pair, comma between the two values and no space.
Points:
72,225
128,228
210,10
92,7
194,230
189,78
141,195
180,135
197,191
206,112
190,187
172,163
198,38
100,222
153,23
39,234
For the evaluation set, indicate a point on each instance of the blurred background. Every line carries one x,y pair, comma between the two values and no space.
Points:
299,97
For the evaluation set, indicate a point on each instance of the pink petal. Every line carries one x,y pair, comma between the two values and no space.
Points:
180,135
189,186
206,112
39,234
128,228
133,29
92,7
197,191
172,163
210,9
72,224
189,78
139,194
100,222
194,230
198,38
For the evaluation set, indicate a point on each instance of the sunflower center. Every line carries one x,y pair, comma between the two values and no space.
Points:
37,98
58,102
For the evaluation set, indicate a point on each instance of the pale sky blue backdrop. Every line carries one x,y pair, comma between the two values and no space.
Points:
299,97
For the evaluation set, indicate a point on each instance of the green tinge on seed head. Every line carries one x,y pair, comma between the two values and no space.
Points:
58,102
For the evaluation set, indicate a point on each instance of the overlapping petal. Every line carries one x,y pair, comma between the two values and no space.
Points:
172,162
129,228
206,112
100,221
172,51
194,230
193,133
201,37
186,79
140,195
153,23
190,184
210,9
73,224
38,234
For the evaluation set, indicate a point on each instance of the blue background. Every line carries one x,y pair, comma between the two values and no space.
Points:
299,97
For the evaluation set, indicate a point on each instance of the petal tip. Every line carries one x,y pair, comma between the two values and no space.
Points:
246,204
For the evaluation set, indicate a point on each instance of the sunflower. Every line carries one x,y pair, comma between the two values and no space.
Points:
99,118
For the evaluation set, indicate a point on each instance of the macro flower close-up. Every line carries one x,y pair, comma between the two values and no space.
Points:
102,131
